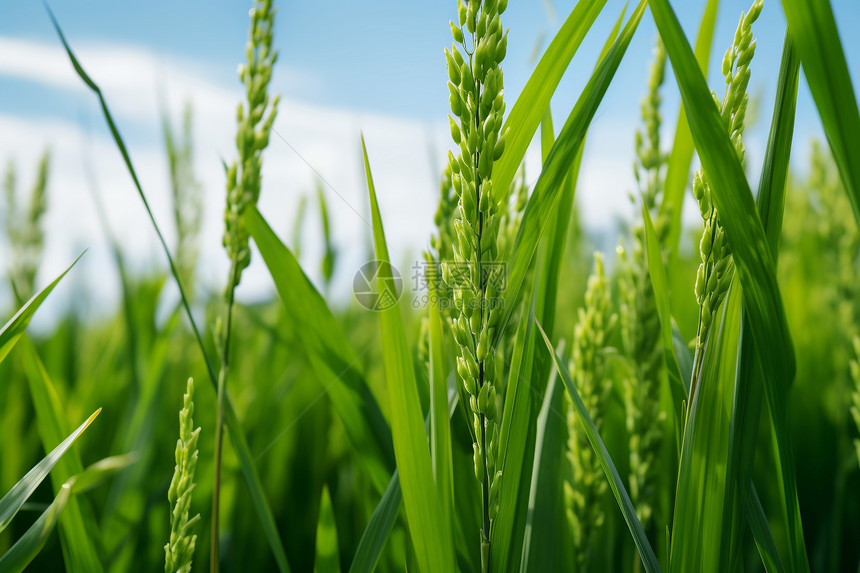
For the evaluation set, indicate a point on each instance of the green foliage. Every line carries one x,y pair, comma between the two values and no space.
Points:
446,438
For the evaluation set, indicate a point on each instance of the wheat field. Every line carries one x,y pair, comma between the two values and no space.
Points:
683,396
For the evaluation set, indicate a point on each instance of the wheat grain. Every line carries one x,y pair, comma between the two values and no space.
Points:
583,492
476,99
717,267
180,549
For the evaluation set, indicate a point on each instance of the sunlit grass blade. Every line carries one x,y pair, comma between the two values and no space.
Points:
681,157
21,491
430,534
335,360
327,560
240,443
813,29
547,189
14,329
533,101
78,528
646,553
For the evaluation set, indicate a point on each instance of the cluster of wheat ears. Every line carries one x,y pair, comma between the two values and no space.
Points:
560,412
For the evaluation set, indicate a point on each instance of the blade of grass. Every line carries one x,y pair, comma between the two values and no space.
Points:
240,443
547,189
430,534
440,430
14,329
78,528
761,531
327,560
814,32
546,509
533,101
681,157
515,445
28,545
649,560
323,337
21,491
376,533
701,508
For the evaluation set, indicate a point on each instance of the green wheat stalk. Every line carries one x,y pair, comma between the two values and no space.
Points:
476,88
586,487
243,191
640,322
717,267
24,227
180,549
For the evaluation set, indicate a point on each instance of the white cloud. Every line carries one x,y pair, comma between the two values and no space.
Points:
308,139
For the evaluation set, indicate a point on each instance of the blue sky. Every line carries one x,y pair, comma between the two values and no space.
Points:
345,66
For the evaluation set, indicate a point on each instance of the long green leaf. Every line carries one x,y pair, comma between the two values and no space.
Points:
78,528
761,532
533,101
813,30
240,443
546,509
700,508
678,168
431,535
649,560
331,353
548,187
515,445
21,491
14,329
440,429
750,386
